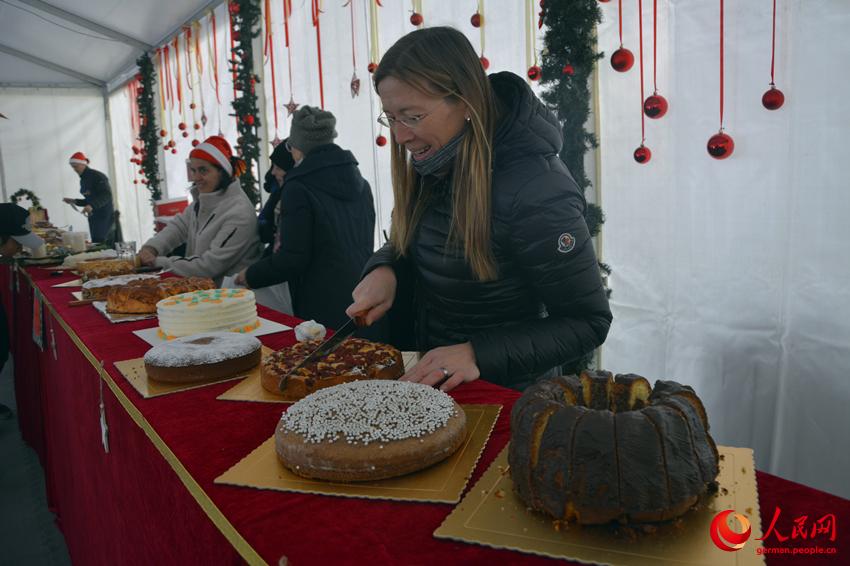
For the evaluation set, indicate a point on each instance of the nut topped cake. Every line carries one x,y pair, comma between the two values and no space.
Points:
355,359
369,430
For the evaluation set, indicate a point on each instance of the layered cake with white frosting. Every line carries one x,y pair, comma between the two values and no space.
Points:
208,310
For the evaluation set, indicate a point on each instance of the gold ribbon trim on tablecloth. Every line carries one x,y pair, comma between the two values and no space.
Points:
245,550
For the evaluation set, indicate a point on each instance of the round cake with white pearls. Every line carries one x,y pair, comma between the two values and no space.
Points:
203,357
369,430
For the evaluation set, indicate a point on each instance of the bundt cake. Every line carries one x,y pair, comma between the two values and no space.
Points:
595,448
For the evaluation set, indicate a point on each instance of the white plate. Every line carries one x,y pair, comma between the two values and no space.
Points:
150,336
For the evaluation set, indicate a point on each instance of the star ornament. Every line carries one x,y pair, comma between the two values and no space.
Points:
291,106
355,85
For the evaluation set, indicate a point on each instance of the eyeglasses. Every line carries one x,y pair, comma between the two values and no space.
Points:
408,121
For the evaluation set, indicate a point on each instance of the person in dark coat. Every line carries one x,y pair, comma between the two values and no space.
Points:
488,222
327,224
268,220
97,198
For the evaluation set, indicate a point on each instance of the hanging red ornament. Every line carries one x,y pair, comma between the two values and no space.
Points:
135,182
197,126
185,134
622,60
475,20
642,154
144,181
485,62
192,105
162,133
416,19
568,70
195,143
655,106
290,106
234,8
381,141
173,150
720,145
354,85
534,72
135,150
182,125
773,99
604,1
235,35
372,67
249,119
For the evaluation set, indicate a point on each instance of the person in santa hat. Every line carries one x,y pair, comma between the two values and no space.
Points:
97,198
219,228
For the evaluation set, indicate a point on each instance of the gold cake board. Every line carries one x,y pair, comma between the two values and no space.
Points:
443,482
251,388
492,515
134,372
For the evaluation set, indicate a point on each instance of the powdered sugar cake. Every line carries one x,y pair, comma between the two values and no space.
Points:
202,357
369,430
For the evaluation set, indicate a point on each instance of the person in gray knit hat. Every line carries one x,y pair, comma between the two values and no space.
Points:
311,127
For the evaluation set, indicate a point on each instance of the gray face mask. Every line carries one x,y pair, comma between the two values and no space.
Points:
441,158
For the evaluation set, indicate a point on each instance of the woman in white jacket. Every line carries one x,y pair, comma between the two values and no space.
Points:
219,228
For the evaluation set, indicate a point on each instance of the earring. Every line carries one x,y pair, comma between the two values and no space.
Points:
468,118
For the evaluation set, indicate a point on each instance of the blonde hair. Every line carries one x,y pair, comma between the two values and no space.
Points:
440,61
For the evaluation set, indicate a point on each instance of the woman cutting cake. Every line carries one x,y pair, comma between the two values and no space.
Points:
488,222
219,228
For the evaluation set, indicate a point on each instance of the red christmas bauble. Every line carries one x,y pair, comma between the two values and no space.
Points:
475,20
568,70
372,67
534,72
192,106
162,133
234,7
622,60
185,134
173,150
249,119
773,99
655,106
604,1
182,125
144,181
235,34
485,62
416,19
135,150
197,126
135,182
381,141
195,143
720,146
642,154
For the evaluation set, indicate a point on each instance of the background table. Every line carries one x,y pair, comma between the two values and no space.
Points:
151,498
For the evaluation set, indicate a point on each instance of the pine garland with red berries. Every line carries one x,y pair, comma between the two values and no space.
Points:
245,15
148,130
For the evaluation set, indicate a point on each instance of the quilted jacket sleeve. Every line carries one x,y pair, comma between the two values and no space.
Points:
549,239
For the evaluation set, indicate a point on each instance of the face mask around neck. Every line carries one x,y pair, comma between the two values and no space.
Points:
441,158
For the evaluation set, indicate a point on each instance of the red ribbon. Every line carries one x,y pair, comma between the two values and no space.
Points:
620,17
721,64
353,50
188,39
773,44
287,11
169,93
161,81
640,51
316,13
270,49
654,45
215,55
179,82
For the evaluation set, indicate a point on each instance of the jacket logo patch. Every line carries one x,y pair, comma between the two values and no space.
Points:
566,243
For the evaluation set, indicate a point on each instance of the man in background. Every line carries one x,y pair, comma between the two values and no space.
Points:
96,201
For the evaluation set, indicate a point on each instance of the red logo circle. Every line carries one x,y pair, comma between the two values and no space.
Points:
722,534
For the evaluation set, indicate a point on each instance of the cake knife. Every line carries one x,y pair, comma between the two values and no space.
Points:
328,345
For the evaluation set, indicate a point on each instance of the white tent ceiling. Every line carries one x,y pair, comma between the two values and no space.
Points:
76,43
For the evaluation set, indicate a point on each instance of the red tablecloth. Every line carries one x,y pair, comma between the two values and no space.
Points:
151,499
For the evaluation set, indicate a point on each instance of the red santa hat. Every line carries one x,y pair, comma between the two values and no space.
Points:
215,150
79,158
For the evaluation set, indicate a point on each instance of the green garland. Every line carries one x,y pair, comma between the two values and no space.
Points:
148,132
246,17
568,61
24,193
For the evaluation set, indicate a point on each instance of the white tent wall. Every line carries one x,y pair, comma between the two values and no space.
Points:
732,275
44,127
133,199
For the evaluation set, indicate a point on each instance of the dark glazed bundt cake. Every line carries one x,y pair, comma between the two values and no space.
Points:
597,448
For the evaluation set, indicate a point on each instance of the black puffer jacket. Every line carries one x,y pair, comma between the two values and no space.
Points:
547,306
327,233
